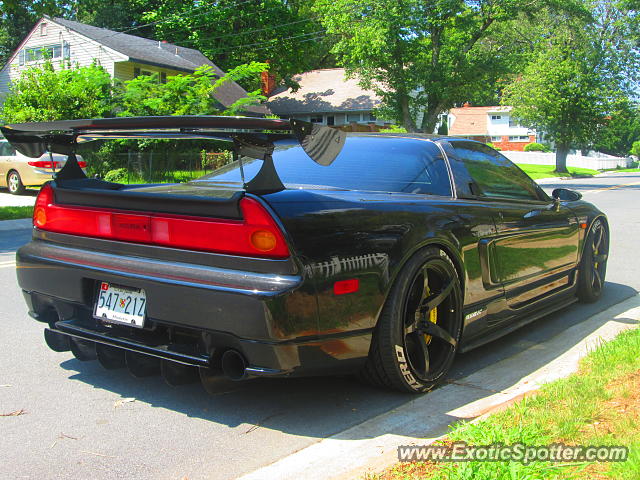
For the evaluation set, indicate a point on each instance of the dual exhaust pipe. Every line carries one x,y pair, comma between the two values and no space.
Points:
231,364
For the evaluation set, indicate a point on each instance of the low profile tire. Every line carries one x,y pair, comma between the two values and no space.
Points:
593,265
14,183
416,338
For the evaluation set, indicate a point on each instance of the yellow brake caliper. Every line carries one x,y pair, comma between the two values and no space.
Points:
433,318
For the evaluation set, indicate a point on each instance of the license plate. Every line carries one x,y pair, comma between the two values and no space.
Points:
123,305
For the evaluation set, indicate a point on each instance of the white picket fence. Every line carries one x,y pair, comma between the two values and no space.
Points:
603,162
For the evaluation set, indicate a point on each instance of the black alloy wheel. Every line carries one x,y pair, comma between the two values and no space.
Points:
417,335
593,266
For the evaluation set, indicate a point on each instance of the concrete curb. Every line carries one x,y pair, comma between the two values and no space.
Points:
372,445
19,224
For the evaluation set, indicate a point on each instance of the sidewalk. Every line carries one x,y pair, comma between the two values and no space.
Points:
372,446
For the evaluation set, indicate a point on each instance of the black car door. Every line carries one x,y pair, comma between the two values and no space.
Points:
535,248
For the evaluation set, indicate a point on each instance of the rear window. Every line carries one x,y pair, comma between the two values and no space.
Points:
366,163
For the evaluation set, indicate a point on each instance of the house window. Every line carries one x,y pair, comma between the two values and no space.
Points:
137,72
372,117
353,117
331,120
316,118
163,77
496,139
43,29
496,117
38,53
513,123
518,138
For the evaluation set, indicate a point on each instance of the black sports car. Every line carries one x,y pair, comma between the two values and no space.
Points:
385,255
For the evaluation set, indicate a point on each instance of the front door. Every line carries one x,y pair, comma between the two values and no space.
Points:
535,248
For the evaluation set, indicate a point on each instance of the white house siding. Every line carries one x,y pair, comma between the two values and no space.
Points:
83,51
500,127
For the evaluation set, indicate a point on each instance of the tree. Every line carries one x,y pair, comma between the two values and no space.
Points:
282,32
620,131
44,94
422,57
580,71
185,94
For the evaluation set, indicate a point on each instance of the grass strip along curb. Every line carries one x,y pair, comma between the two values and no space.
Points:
599,405
13,213
546,171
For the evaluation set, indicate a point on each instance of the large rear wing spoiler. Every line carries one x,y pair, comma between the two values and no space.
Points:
251,137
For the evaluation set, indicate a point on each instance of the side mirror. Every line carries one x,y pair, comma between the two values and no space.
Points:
566,195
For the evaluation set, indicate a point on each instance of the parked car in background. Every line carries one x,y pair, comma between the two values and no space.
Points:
18,171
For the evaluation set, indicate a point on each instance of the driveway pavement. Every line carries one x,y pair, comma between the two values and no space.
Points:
27,199
81,421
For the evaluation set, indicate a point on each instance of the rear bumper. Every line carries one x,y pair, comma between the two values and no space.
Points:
194,313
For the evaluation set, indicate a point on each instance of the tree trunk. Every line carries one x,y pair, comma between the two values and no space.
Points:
430,119
407,119
561,158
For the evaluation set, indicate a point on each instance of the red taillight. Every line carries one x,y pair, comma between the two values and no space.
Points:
82,164
45,164
257,235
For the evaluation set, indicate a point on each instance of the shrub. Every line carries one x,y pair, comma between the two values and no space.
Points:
116,175
393,129
635,149
493,146
536,147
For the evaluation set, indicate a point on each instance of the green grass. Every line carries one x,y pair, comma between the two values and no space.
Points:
546,171
11,213
563,411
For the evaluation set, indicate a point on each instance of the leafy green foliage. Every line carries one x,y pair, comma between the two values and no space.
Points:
232,32
185,94
493,146
116,175
621,128
580,71
635,149
536,147
44,94
421,57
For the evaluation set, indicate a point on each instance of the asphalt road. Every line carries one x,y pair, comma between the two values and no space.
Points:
81,421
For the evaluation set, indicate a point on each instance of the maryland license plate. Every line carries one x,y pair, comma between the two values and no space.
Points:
122,305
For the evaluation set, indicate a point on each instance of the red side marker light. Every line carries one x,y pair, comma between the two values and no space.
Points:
583,226
346,286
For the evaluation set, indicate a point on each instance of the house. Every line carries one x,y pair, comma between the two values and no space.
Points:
325,96
490,124
124,56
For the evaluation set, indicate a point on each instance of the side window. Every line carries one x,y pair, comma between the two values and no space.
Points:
493,174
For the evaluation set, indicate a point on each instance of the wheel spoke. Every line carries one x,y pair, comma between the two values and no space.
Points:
600,258
438,332
598,242
423,354
432,301
597,280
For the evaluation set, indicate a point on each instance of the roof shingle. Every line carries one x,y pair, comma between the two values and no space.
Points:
326,90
